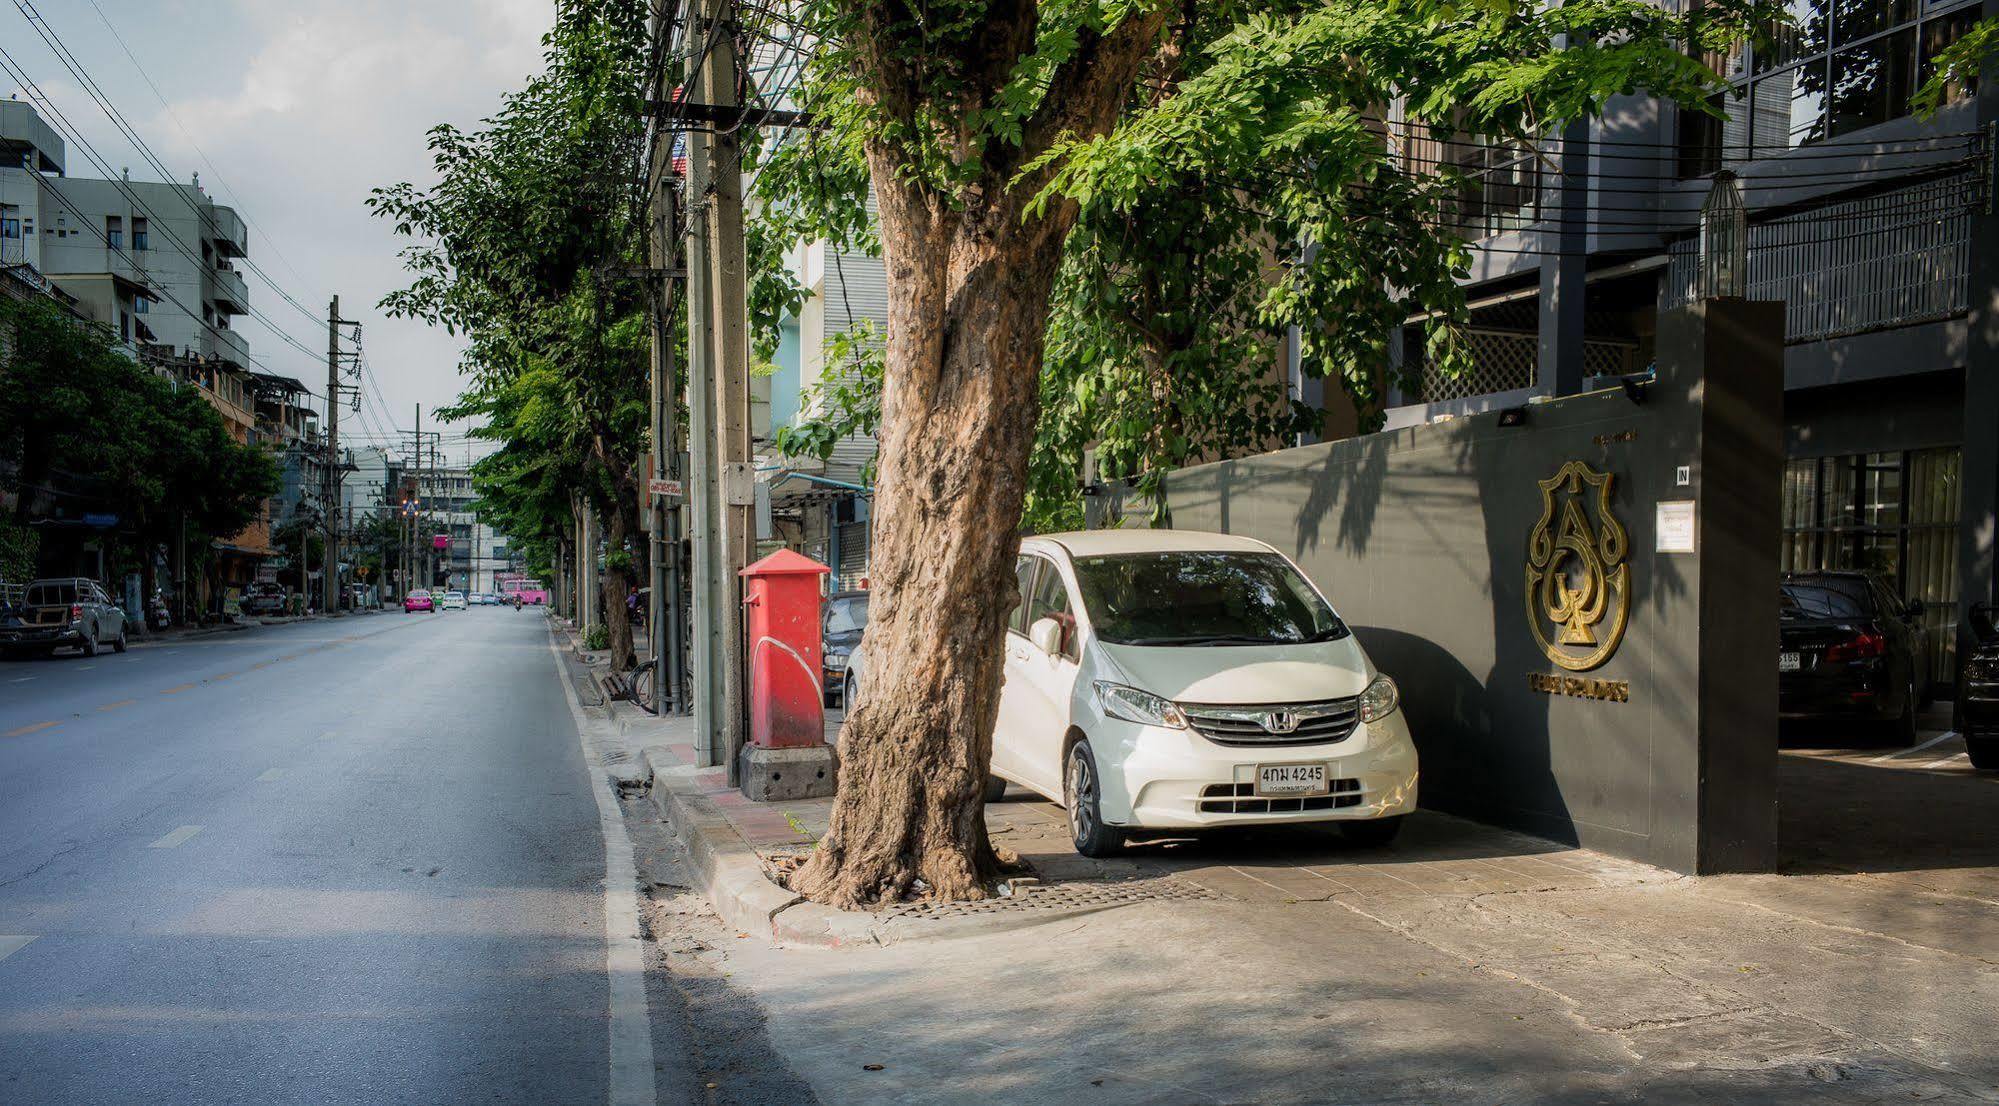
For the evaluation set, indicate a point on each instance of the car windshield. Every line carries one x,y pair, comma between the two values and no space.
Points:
419,594
1825,597
1203,598
848,615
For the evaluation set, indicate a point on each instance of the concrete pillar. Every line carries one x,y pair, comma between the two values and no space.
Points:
1726,357
1565,268
1978,517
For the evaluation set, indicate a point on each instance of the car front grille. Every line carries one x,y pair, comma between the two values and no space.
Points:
1318,723
1241,798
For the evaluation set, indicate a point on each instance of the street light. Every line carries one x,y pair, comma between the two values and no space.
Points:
1724,241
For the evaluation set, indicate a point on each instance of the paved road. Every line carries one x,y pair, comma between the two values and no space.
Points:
340,861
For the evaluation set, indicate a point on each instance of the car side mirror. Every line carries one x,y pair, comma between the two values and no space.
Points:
1046,634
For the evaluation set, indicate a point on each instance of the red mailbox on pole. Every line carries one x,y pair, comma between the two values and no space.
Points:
787,756
787,697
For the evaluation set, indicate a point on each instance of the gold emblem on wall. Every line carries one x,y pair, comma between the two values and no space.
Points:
1578,584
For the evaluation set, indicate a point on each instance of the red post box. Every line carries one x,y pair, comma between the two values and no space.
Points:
787,696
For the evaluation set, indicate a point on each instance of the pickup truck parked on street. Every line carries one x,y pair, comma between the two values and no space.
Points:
57,613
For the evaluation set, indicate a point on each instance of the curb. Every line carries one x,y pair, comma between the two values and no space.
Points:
731,874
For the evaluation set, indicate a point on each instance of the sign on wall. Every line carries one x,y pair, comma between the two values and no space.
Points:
1578,582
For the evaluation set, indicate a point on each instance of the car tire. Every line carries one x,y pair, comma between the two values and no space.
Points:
118,644
995,789
90,646
1902,729
1984,752
849,691
1373,833
1082,796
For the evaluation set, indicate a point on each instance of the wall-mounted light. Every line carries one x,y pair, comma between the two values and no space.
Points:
1724,253
1513,416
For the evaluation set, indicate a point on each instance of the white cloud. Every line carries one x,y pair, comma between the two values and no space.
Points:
304,107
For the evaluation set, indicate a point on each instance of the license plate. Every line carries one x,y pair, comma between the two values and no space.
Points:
1789,662
1291,779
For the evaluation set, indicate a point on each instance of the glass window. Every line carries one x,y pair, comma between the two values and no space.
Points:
1825,597
1023,572
1872,82
139,234
1203,598
1837,66
114,232
1856,19
1939,34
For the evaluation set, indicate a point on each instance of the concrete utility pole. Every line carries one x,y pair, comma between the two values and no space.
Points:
330,594
664,615
719,421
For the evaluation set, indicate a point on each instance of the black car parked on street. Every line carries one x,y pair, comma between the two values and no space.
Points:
844,621
1978,689
1851,649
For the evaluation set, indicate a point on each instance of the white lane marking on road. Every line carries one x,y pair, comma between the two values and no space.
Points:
175,839
271,774
1951,759
85,667
21,680
1937,740
624,953
13,943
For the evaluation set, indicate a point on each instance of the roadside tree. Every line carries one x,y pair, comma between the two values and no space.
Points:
1162,184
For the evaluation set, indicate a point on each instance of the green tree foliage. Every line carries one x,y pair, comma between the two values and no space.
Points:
158,454
1253,185
525,245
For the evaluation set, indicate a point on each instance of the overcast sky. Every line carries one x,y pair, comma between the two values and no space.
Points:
302,106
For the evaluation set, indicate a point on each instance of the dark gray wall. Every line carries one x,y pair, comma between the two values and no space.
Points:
1420,538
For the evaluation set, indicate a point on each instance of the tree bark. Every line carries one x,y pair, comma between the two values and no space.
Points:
969,279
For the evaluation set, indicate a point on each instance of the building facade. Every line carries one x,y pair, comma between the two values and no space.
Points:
1864,220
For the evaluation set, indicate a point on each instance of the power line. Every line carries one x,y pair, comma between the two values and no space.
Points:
90,86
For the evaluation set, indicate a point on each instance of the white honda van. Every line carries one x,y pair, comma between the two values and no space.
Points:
1167,679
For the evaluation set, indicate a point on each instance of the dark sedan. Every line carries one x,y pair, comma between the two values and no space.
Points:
845,620
1850,649
1978,689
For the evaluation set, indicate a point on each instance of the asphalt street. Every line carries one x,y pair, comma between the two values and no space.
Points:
355,860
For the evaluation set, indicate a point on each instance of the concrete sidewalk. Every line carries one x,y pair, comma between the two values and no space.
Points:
1464,964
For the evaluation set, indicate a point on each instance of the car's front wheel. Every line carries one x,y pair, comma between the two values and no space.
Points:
1374,832
1083,794
118,644
1984,752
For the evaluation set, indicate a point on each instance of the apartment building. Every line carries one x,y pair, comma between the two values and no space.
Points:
821,508
155,262
1863,219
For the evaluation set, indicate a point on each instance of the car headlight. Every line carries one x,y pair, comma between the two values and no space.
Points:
836,662
1143,707
1379,700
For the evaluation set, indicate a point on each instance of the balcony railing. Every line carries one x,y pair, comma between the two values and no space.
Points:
13,251
1506,361
231,295
1890,260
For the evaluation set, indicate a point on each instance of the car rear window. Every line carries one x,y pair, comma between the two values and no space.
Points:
51,595
1826,597
844,616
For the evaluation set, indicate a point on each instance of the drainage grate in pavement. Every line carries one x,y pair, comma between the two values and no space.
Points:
1059,896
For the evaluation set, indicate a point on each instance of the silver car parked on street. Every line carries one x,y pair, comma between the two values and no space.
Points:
64,611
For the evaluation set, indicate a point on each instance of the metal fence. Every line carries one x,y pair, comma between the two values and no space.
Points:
1888,260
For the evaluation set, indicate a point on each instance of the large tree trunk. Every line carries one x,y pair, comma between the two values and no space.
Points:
968,297
969,276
